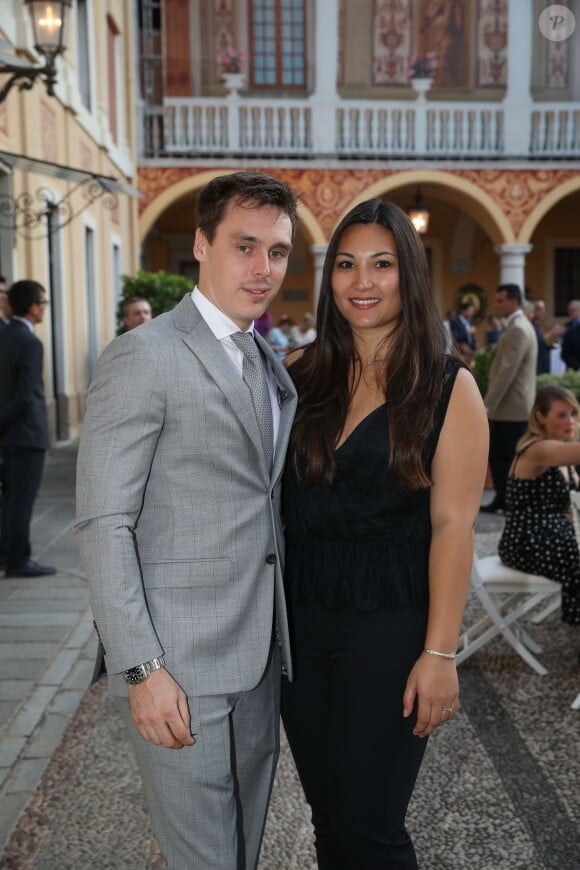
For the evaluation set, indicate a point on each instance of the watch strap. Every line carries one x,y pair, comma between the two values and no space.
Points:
136,675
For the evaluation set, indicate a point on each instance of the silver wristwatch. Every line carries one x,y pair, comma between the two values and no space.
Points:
136,675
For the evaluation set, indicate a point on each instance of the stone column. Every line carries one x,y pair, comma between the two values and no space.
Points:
318,254
512,264
517,102
324,97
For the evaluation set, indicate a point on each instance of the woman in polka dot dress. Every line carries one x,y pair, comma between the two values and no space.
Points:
538,536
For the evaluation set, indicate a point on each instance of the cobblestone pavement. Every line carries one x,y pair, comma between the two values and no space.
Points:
497,790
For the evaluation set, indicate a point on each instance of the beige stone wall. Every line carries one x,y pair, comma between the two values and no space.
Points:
62,134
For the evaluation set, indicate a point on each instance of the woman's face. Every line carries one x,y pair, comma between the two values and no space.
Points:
560,423
365,278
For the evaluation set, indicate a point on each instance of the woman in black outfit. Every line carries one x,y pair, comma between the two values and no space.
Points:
382,489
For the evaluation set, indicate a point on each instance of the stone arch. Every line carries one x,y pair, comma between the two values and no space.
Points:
476,201
546,203
308,223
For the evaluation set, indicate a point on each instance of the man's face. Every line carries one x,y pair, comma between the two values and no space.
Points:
37,309
502,306
469,313
243,268
3,300
137,313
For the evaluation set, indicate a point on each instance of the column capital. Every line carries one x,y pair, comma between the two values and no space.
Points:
514,250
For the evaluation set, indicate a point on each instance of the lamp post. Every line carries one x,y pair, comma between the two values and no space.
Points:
48,19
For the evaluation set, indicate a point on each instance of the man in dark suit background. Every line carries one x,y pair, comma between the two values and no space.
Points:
463,331
571,338
23,425
3,324
4,308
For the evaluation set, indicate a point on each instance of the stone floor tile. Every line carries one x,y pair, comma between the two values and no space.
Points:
11,806
25,620
26,649
23,634
10,749
11,690
59,668
31,712
66,701
22,668
46,737
25,775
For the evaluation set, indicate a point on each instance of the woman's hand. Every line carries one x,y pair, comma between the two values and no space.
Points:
434,686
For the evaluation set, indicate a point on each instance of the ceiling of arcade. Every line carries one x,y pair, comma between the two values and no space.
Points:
328,193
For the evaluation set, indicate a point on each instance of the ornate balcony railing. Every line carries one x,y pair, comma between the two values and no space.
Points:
362,129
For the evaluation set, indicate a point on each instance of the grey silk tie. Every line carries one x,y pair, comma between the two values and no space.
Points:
255,379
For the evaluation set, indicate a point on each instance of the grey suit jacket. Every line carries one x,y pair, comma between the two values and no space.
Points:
512,376
178,518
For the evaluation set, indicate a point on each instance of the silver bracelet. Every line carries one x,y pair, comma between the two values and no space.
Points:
435,652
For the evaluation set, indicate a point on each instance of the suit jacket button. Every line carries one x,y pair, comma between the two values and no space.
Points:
271,559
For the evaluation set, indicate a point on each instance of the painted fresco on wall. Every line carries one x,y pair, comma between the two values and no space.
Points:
557,64
224,30
443,27
392,26
492,24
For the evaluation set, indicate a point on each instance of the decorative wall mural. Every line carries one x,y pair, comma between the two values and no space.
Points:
492,26
392,27
328,193
443,25
557,71
224,30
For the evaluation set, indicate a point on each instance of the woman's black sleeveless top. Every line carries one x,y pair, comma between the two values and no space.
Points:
364,542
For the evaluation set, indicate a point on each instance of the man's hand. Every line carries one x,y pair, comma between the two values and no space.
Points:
160,711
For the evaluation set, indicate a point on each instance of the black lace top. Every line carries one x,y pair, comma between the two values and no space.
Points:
364,542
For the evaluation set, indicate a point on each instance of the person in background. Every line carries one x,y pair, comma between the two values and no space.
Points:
4,306
304,332
463,332
263,324
383,482
4,320
178,520
493,332
571,337
136,311
24,437
545,339
538,537
279,336
512,387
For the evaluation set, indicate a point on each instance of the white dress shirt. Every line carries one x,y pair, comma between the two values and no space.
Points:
223,328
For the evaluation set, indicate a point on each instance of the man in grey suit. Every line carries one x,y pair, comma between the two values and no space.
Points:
179,525
512,387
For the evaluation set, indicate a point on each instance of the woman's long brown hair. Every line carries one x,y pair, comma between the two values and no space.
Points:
414,367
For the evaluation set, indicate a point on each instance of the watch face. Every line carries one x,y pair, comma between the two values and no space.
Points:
134,676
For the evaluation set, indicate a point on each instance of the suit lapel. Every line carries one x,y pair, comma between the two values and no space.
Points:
201,341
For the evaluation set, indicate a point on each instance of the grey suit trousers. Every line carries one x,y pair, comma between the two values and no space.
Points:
208,802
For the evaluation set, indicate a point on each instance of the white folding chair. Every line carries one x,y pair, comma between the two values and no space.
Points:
506,596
